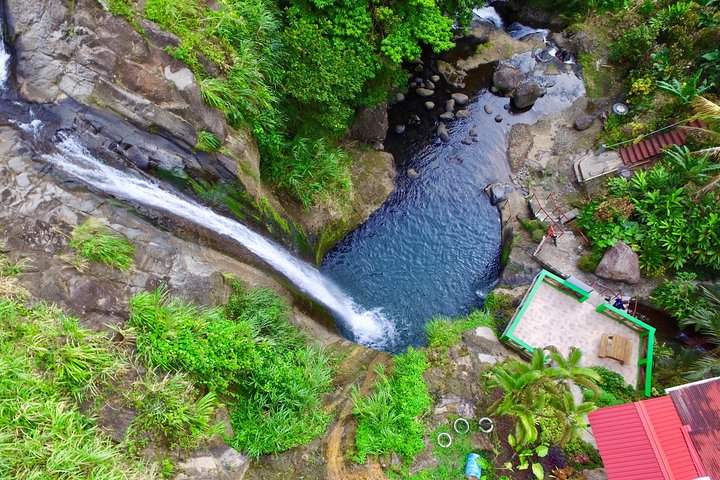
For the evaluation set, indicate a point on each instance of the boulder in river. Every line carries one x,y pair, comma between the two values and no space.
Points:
450,105
443,133
435,78
429,105
498,118
506,78
447,116
453,76
619,263
526,93
429,85
412,173
424,92
498,192
488,108
460,98
462,114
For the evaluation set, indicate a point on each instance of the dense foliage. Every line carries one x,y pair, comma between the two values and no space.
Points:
613,389
295,71
541,388
697,306
668,53
657,214
246,352
47,363
388,419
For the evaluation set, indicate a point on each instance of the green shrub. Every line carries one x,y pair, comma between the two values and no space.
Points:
388,418
679,297
313,169
656,214
496,302
172,410
247,350
207,142
589,262
446,332
43,433
613,389
582,455
632,46
93,241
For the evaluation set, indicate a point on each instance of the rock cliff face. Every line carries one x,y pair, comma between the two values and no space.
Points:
122,95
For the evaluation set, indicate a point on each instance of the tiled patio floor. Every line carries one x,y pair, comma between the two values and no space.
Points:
554,318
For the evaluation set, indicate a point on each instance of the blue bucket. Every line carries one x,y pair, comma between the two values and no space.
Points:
472,467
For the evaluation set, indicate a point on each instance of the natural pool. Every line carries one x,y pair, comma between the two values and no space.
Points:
433,248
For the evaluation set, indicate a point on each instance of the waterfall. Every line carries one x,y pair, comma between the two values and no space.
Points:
369,328
4,58
519,31
488,14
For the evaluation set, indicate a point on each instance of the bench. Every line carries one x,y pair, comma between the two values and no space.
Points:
616,347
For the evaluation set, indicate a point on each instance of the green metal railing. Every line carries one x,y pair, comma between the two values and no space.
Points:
646,332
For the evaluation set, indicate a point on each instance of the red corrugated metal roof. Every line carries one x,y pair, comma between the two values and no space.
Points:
644,441
624,444
698,406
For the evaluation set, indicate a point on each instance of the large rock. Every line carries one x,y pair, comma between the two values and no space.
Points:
453,76
619,263
371,124
526,93
584,122
506,78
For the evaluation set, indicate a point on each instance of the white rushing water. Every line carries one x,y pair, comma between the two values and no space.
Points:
369,328
4,63
488,14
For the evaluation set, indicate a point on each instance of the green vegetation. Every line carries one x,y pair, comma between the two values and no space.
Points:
589,261
295,72
47,363
659,214
613,389
694,305
536,228
247,352
208,142
171,410
388,418
535,389
446,332
93,241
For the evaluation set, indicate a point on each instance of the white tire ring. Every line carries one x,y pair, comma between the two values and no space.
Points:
444,435
461,421
485,429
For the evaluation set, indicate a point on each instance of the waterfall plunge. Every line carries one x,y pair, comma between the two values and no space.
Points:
4,61
369,328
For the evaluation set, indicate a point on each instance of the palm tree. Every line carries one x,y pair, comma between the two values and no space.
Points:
706,320
708,112
532,389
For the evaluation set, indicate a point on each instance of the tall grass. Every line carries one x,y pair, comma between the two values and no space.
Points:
388,419
172,410
93,241
246,352
47,362
242,40
446,332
